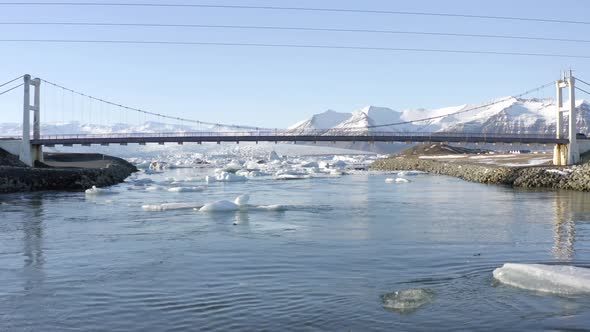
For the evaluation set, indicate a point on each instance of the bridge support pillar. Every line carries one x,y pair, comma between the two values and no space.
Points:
30,153
566,154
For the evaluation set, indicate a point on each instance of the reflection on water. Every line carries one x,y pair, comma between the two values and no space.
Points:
569,208
33,242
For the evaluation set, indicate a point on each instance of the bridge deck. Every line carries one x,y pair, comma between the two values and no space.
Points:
280,136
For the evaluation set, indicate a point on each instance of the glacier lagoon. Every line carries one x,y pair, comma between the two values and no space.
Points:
346,252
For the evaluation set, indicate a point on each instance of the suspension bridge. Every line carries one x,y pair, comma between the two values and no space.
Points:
29,145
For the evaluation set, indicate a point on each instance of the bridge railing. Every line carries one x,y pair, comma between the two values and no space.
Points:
308,133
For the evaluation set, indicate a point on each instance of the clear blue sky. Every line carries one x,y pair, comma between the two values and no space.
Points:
276,87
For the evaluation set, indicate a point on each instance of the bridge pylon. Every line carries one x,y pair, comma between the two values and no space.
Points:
566,154
30,153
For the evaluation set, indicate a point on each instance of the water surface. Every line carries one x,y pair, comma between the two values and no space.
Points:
68,262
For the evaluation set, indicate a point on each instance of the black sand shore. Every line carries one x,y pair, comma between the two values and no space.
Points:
64,172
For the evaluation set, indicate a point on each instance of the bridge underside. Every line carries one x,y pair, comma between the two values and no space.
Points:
67,141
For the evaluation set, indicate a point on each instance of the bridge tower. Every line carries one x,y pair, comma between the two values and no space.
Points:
566,154
30,153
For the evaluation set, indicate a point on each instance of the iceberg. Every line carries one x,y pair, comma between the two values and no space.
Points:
273,156
185,189
230,177
242,200
170,206
396,180
275,207
220,206
556,279
94,191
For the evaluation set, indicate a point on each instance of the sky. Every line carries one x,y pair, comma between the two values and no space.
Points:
276,87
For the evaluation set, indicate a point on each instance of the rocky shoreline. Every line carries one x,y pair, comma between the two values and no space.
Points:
570,178
98,170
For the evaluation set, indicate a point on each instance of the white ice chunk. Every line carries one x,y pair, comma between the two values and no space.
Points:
557,279
220,206
396,180
233,166
230,177
275,207
290,177
154,188
242,200
252,166
143,165
98,191
273,156
185,189
243,172
170,206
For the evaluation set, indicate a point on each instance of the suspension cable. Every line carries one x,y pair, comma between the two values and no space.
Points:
6,91
18,78
151,113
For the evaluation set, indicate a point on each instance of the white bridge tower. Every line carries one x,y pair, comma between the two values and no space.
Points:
566,154
30,153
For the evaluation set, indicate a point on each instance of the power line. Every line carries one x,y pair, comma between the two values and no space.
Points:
148,112
462,111
305,9
284,28
299,46
6,91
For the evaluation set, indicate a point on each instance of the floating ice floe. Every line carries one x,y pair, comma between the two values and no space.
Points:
276,207
159,165
154,188
252,166
290,175
409,300
396,180
143,165
94,191
220,206
232,167
556,279
170,206
239,204
273,156
230,177
185,189
310,164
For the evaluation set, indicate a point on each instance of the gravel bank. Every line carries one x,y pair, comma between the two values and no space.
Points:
570,178
99,170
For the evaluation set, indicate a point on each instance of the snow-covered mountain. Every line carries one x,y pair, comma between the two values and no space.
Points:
507,115
321,121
